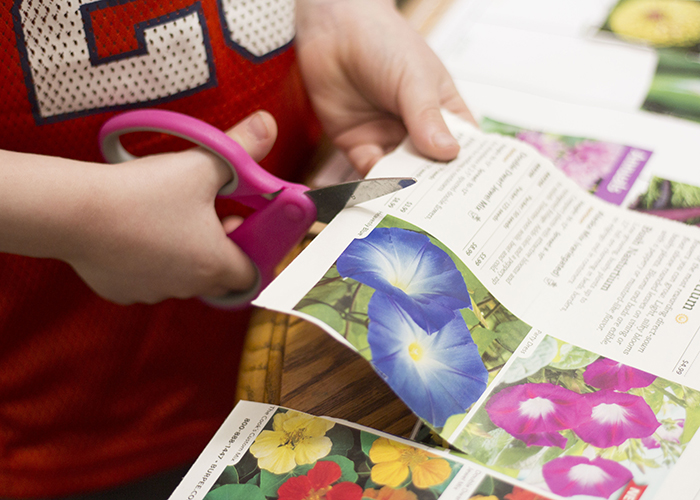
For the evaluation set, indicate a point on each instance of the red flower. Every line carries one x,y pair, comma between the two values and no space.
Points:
317,484
521,494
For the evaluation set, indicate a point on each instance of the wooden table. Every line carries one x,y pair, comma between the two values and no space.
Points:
293,363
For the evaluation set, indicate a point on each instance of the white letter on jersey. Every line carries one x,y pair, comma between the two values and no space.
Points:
258,29
174,58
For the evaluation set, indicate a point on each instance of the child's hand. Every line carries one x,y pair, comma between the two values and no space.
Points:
371,78
140,231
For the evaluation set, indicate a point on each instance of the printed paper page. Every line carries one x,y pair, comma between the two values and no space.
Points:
268,452
495,284
621,54
673,141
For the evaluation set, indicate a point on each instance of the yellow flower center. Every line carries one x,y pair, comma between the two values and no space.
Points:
412,457
318,494
415,351
295,437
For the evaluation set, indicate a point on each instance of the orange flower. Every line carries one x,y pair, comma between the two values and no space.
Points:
521,494
388,493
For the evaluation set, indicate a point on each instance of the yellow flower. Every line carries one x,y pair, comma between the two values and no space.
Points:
295,439
482,497
387,493
663,23
395,460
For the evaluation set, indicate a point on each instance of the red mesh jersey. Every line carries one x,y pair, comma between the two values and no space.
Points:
94,394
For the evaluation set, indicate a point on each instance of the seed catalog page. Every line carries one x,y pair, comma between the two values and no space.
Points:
268,452
545,332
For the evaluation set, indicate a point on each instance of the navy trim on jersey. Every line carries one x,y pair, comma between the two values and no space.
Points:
228,38
95,60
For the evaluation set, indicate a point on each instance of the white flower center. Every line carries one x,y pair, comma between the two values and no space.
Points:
586,474
609,413
536,407
401,281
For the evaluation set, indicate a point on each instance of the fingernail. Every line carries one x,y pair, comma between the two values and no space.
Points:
258,127
443,140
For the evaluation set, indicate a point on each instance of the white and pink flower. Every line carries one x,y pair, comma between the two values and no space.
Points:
616,417
535,413
569,476
669,431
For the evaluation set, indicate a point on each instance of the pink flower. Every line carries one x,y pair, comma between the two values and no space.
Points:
670,432
590,161
317,484
535,412
549,146
615,418
569,476
608,374
542,439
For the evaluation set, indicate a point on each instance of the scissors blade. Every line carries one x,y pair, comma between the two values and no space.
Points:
331,200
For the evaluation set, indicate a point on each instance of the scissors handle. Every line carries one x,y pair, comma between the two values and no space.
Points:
283,212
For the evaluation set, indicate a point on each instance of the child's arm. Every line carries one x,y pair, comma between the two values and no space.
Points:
141,231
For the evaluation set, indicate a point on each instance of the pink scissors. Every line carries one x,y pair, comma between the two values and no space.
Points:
284,211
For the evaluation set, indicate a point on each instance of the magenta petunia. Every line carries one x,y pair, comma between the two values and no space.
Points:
670,432
615,418
569,476
608,374
536,409
542,439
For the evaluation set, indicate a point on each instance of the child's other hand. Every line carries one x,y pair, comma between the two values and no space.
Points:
372,79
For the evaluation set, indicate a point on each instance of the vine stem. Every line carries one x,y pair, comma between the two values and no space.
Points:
670,396
352,304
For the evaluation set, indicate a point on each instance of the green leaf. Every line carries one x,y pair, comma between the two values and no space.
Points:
453,421
483,449
692,422
673,60
541,357
515,455
485,488
325,313
684,195
653,396
361,302
367,440
229,476
483,338
342,440
512,333
347,467
469,318
248,466
237,492
552,453
270,483
573,358
675,93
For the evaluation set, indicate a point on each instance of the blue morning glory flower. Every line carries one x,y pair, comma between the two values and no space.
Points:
414,272
436,375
